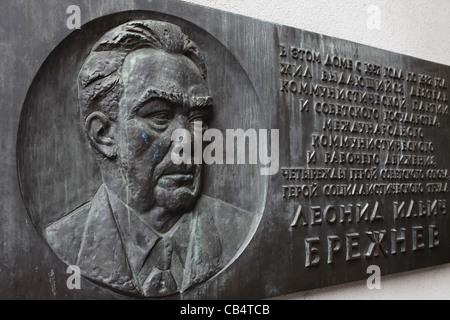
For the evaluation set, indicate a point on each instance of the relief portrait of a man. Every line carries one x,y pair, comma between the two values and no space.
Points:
148,231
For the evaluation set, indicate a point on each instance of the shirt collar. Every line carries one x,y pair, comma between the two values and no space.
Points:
138,238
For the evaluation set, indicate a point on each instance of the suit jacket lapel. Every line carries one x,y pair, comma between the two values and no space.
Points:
102,256
204,254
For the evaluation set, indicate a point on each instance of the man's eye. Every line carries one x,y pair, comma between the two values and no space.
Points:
158,111
197,118
200,116
160,118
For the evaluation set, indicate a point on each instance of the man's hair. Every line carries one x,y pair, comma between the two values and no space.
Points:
100,85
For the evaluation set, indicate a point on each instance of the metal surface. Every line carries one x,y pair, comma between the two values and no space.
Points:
87,177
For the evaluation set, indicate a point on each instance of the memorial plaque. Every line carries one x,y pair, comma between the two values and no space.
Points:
161,150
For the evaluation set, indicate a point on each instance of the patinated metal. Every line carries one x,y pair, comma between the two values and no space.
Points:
357,136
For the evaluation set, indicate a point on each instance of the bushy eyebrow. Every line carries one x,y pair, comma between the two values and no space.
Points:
159,94
200,103
175,98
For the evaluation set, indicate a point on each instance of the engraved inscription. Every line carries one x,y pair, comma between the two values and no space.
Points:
374,133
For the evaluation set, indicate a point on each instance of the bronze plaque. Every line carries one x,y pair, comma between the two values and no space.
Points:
165,150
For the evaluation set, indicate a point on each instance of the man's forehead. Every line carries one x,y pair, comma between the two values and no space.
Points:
176,74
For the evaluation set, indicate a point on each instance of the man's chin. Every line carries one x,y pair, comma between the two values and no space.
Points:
179,200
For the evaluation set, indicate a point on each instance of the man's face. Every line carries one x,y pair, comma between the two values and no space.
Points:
159,92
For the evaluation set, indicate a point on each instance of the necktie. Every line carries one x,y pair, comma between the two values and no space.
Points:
155,276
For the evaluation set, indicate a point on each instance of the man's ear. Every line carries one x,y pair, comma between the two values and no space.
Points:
99,130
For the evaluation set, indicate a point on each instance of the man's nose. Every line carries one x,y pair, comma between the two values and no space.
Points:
186,139
182,122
